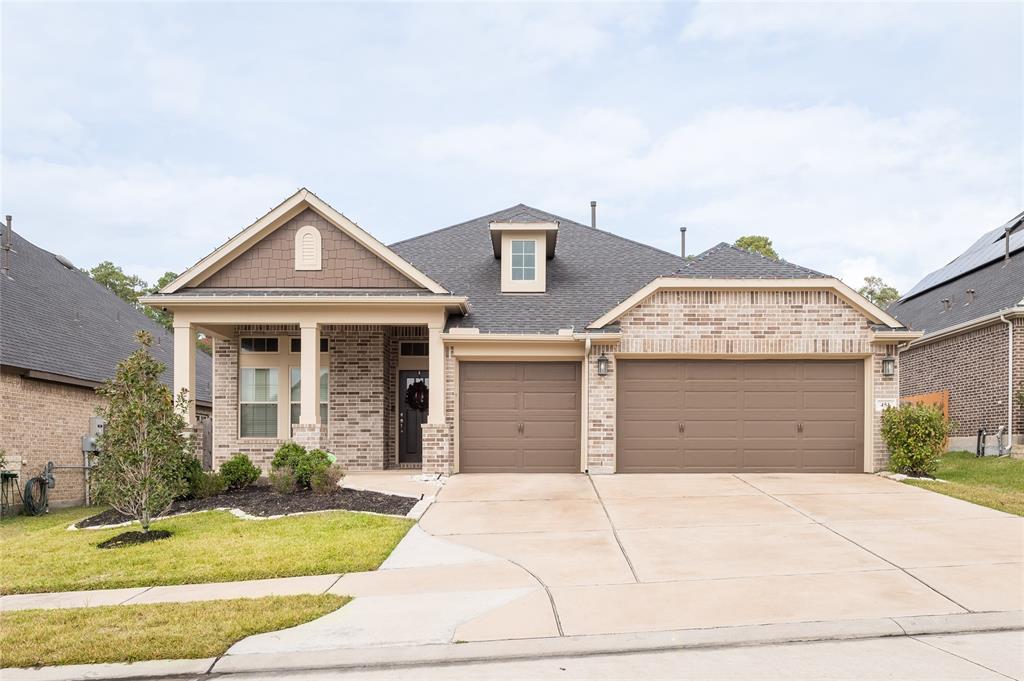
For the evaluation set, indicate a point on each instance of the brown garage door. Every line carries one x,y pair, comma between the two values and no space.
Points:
519,417
722,416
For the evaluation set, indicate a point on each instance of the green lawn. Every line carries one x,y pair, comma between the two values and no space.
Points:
128,633
989,481
39,554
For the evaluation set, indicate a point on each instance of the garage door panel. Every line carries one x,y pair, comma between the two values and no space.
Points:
519,417
741,415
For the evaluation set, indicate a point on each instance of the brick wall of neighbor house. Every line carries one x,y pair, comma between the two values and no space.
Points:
601,412
1018,379
972,367
271,262
42,421
732,323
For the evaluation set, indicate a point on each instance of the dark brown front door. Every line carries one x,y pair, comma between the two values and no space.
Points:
410,417
519,417
725,416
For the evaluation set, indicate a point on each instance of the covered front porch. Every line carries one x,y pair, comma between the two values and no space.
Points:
366,383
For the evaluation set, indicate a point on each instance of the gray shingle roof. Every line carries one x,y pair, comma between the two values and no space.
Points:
997,286
59,321
729,262
592,272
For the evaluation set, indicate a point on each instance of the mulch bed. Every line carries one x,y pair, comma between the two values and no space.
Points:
129,538
263,501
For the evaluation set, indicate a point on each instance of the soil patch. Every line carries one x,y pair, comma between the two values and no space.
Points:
263,501
129,538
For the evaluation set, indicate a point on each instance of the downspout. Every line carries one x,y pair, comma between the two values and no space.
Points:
1009,378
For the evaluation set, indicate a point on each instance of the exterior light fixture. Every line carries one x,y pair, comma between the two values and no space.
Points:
602,365
888,366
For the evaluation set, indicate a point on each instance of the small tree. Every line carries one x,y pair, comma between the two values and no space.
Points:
915,435
144,449
761,245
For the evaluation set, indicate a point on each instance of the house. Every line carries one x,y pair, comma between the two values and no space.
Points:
523,341
972,315
61,335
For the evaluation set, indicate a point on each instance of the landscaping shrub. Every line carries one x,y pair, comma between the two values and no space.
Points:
302,462
239,471
192,471
282,479
916,436
207,484
325,481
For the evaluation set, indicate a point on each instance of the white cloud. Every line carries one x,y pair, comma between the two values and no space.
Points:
148,218
838,188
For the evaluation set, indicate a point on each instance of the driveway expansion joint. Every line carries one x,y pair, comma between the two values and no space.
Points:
615,530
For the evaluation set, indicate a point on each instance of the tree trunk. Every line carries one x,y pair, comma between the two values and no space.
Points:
145,520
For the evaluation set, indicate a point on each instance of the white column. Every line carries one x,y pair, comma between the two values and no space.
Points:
185,365
436,375
309,392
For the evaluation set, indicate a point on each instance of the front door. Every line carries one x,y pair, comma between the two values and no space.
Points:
412,414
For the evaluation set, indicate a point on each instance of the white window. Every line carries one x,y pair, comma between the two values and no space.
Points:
308,248
296,394
257,395
524,260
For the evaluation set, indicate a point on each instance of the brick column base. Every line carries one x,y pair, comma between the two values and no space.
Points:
438,456
309,435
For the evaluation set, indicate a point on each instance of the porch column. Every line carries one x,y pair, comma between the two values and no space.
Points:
309,392
185,366
436,375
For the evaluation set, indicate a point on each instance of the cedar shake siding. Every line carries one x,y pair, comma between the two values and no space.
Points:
270,263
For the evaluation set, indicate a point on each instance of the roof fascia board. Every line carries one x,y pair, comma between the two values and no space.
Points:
986,320
866,307
285,211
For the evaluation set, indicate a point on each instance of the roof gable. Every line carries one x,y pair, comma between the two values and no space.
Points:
358,246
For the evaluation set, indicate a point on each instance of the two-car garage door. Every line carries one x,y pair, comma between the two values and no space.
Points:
718,416
672,416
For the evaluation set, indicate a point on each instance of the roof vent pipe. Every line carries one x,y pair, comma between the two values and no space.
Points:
5,245
1006,238
593,214
682,242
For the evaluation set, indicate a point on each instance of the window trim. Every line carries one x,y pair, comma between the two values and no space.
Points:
254,351
532,267
276,402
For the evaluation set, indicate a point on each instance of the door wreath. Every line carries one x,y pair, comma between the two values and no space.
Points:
417,396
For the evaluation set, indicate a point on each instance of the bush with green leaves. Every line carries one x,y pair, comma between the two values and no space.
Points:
916,437
326,480
282,479
145,451
207,484
239,472
303,462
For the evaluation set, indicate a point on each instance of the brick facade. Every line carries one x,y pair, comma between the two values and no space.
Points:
734,323
270,263
972,366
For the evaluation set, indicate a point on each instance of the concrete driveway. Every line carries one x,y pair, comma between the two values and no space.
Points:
631,553
508,556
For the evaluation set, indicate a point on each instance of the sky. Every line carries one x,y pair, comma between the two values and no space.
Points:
863,139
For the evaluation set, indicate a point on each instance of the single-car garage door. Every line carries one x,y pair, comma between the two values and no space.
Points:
519,417
725,416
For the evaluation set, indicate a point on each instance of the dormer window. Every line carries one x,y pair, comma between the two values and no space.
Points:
524,249
524,259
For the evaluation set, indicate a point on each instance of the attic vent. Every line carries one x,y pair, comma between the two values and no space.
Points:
947,304
64,261
308,248
970,296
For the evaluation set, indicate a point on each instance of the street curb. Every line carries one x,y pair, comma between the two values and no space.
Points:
571,646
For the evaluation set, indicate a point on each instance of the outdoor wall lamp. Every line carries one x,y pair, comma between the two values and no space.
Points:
602,365
888,366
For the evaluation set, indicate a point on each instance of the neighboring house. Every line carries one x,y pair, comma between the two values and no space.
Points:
972,314
61,335
522,341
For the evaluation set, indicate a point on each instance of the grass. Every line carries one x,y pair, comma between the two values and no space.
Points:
40,555
989,481
129,633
